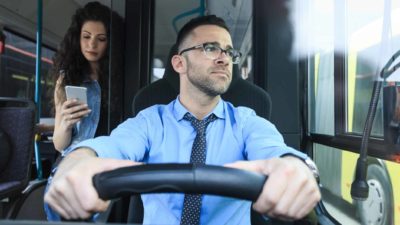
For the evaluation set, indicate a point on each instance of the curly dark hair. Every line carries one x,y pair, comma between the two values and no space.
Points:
69,57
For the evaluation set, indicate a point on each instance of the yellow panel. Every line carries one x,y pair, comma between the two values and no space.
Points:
316,74
349,160
394,173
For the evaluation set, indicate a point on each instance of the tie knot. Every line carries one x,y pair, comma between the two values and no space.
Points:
200,125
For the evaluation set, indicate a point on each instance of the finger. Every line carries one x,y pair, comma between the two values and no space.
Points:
296,202
78,114
70,103
68,200
77,187
274,187
66,105
271,194
69,208
60,194
294,195
85,197
76,110
81,114
305,201
254,166
53,203
82,212
278,171
70,114
308,207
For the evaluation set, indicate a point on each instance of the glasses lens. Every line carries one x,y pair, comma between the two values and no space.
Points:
235,55
212,51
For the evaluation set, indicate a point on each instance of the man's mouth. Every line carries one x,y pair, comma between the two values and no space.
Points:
224,72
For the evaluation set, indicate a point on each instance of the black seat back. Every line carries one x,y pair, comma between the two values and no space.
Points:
17,120
240,92
162,91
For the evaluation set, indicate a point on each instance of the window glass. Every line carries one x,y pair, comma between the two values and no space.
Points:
314,39
372,37
237,14
17,65
363,35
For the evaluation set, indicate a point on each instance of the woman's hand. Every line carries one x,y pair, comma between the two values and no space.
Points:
72,111
68,113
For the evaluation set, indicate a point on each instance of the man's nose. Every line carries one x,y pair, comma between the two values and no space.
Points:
223,58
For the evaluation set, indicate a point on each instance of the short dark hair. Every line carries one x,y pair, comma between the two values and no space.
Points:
199,21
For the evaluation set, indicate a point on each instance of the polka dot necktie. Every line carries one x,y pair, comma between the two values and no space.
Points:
192,202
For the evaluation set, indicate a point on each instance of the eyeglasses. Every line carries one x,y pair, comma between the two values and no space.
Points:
213,51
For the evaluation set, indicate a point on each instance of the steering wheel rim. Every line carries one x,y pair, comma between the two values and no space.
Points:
179,178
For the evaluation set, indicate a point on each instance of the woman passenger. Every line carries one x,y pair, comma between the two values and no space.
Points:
82,60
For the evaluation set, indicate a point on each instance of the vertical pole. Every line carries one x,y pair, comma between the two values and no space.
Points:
38,84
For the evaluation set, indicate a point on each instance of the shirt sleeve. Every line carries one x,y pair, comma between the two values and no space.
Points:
262,140
128,141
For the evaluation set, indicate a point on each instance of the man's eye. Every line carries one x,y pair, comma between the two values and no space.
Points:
210,48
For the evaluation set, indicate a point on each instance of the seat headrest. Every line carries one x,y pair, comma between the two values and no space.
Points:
170,74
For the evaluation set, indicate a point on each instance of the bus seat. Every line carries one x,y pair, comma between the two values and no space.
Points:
17,119
163,91
240,93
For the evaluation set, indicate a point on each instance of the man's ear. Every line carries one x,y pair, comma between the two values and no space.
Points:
178,63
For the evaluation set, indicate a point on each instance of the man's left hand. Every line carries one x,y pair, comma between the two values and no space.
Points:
291,190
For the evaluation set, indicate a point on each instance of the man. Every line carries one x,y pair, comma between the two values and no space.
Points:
166,133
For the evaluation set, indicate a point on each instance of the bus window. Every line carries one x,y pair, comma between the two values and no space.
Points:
17,63
320,60
340,81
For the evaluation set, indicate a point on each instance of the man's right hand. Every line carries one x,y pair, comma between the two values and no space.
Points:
71,193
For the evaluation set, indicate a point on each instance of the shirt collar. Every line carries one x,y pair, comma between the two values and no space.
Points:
179,110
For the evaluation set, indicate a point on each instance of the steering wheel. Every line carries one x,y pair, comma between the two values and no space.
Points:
189,179
179,178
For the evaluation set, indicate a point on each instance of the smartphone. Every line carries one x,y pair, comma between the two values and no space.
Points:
76,92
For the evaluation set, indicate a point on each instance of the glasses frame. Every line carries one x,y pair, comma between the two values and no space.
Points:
202,46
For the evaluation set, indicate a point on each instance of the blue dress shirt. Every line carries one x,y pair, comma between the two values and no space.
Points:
159,134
